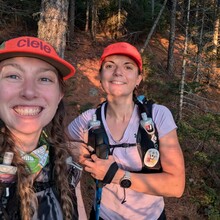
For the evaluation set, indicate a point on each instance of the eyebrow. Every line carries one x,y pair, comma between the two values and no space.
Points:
13,64
108,61
126,62
21,69
130,62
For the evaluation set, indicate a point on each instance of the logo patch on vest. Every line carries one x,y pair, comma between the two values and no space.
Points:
151,157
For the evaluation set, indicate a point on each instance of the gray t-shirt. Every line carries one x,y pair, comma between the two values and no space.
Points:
138,205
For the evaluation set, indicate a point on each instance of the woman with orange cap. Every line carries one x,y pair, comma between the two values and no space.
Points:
37,176
129,192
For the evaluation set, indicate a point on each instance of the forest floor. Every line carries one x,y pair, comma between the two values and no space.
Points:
84,91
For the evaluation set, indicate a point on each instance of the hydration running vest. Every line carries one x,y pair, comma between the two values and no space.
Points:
147,138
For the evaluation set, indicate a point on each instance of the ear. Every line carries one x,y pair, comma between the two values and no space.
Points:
139,78
61,96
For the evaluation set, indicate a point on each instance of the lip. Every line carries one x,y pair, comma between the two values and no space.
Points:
27,110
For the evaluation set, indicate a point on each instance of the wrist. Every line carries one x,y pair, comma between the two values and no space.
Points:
125,181
118,176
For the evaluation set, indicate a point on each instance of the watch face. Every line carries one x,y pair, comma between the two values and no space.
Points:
125,183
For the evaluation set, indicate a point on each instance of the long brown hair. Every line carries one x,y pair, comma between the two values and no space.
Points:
59,153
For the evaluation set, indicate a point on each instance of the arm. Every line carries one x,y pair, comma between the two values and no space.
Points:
77,134
169,183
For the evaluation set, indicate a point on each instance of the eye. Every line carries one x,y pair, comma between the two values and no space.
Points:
129,67
12,76
109,65
46,79
47,76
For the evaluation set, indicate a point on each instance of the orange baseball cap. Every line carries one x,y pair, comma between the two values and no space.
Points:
123,48
34,47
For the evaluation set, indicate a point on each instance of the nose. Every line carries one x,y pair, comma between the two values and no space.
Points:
28,90
118,71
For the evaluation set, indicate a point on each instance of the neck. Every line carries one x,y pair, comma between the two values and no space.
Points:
27,143
120,109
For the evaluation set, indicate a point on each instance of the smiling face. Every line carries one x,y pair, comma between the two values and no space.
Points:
119,75
29,94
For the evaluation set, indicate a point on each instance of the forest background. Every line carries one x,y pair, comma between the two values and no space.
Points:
179,43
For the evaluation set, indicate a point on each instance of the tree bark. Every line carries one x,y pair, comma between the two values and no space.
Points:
87,16
152,9
52,26
119,18
71,20
94,19
182,85
215,75
200,45
170,59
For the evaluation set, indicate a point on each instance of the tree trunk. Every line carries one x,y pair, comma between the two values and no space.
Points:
71,20
52,26
170,59
215,75
94,19
87,15
200,45
182,85
153,27
152,9
119,18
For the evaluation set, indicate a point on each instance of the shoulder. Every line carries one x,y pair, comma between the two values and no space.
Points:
163,119
88,113
158,107
85,116
77,126
161,110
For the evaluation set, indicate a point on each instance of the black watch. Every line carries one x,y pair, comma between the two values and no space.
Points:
125,181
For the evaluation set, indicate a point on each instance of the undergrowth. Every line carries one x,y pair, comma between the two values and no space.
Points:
199,136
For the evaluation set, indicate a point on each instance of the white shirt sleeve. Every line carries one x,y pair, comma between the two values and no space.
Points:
78,127
163,119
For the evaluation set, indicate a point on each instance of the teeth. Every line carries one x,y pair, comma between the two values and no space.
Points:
27,111
117,82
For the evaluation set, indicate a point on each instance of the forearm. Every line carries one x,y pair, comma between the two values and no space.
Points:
159,184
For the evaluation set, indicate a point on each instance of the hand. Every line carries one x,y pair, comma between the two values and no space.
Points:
98,167
79,151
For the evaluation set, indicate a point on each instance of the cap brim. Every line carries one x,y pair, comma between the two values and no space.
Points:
64,68
125,54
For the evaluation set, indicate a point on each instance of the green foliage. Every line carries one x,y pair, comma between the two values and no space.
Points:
166,90
194,87
200,135
20,12
208,200
140,16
